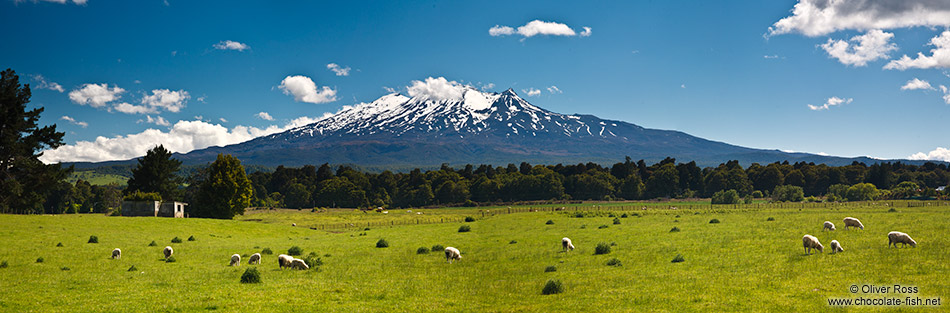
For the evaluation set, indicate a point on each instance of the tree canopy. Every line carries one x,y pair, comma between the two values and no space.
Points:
155,172
225,192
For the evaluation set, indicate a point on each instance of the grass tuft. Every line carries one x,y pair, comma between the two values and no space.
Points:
267,251
170,259
191,238
436,248
64,268
512,242
382,243
152,244
675,229
469,219
551,268
602,248
549,222
616,221
614,262
552,287
59,244
678,258
4,264
294,251
714,221
251,276
422,250
39,260
93,239
602,226
465,229
770,219
132,269
176,240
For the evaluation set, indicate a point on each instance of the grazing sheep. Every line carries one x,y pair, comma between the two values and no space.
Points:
116,253
168,251
810,242
235,259
836,247
828,226
293,224
852,222
284,260
255,259
452,254
566,244
299,264
896,237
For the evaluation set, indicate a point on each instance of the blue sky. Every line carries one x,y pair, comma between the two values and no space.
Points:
121,76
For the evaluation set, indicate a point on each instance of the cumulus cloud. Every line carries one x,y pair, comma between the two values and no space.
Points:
95,95
231,45
917,84
538,27
264,116
42,83
554,89
939,154
338,70
833,101
774,56
531,92
128,108
171,101
821,17
73,121
389,89
436,89
939,56
158,120
305,90
862,49
183,137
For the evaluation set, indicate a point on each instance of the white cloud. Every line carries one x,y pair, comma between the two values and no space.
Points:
821,17
264,116
304,90
774,56
231,45
554,89
538,27
917,84
95,95
939,57
42,83
183,137
436,89
201,99
174,52
683,86
223,120
833,101
939,154
488,86
73,121
158,120
79,2
127,108
864,48
531,92
340,71
171,101
389,89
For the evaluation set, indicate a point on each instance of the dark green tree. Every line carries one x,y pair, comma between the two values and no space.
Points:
155,172
24,179
226,191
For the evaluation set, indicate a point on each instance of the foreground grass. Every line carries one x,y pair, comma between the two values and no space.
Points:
744,263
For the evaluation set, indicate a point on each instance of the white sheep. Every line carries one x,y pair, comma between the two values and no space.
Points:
452,254
255,259
828,226
835,247
896,237
168,251
299,264
293,224
116,253
810,242
235,259
284,260
566,244
852,222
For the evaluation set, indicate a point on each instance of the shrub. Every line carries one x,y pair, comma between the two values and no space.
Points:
678,258
624,215
579,214
757,194
382,243
251,276
267,251
602,226
469,219
59,244
714,221
677,216
725,197
549,222
138,195
438,248
367,228
551,268
748,199
132,269
770,219
512,242
788,193
552,287
294,251
674,229
152,244
93,239
170,259
4,264
614,262
191,238
583,226
616,221
610,215
892,210
39,260
312,260
64,268
176,240
422,250
602,248
465,229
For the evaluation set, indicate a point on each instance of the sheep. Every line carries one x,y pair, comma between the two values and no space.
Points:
299,264
284,260
235,259
255,259
293,224
116,253
828,226
566,244
836,247
852,222
452,254
168,251
810,242
896,237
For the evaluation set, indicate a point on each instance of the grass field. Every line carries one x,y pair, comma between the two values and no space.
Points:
97,178
743,263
